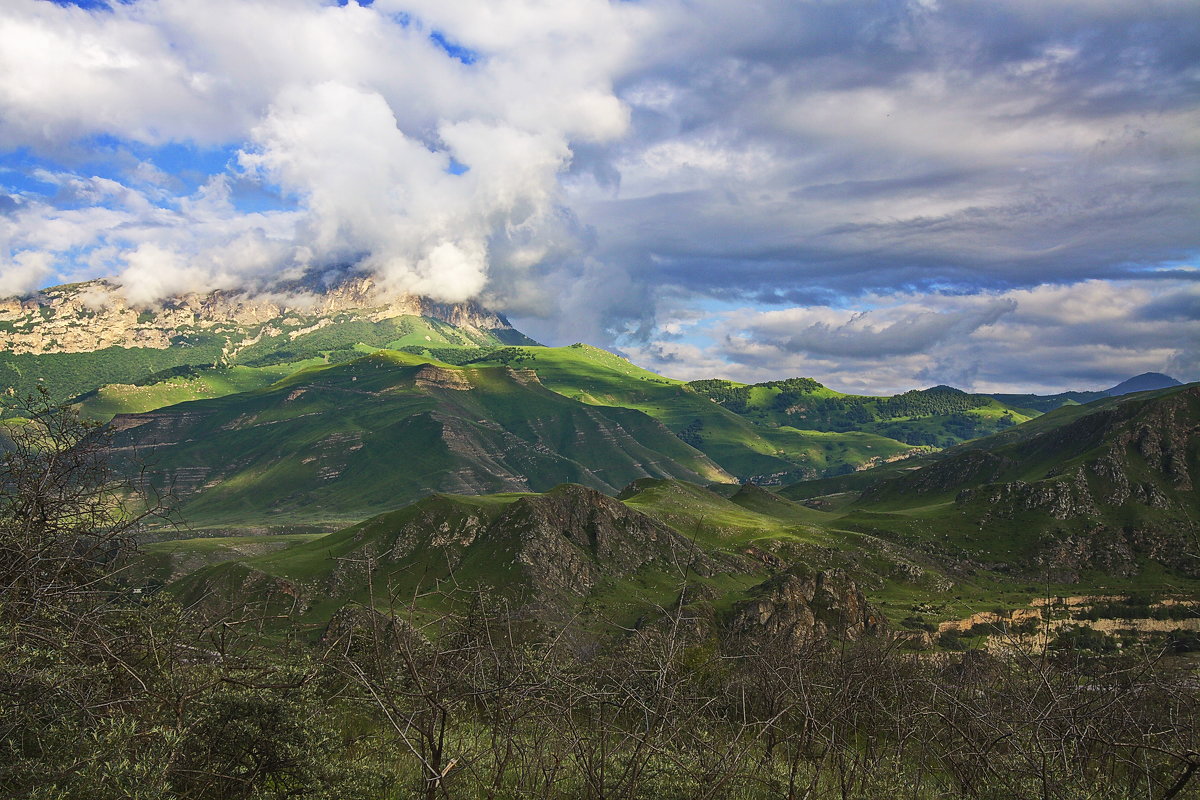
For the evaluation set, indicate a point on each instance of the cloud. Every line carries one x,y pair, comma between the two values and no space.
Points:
398,157
26,270
898,330
1026,340
908,171
860,147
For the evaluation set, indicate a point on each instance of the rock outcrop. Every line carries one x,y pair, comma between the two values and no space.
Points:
798,607
571,537
84,317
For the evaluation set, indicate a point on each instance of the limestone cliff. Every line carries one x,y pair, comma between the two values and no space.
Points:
83,317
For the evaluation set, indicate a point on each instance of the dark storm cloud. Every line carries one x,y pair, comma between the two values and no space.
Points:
854,147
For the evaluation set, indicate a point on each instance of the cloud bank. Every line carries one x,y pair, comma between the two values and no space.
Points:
837,186
383,144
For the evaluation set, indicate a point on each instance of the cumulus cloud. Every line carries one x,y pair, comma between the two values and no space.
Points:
897,180
1030,340
399,157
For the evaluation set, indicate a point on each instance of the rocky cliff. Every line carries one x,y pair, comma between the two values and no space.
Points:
83,317
1105,489
798,606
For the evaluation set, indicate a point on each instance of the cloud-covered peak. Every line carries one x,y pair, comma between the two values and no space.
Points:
381,144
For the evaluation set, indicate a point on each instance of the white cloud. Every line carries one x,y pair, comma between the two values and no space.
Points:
24,272
631,160
1018,341
360,128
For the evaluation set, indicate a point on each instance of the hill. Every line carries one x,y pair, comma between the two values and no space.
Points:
941,416
1147,381
569,553
75,339
197,347
337,443
1110,488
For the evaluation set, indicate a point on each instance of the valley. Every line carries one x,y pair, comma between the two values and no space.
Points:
322,410
329,517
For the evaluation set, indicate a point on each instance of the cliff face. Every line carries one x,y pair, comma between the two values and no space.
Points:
797,607
90,316
1103,491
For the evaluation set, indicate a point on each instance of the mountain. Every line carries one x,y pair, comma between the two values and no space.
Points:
78,338
568,553
1109,487
1147,381
337,443
94,315
1096,499
941,416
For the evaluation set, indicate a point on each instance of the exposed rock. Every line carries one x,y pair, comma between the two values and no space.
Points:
431,377
973,466
797,607
89,316
572,536
1064,556
1060,498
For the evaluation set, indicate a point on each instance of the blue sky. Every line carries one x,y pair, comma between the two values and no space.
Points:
878,195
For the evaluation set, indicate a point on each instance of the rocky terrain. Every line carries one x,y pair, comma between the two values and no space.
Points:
84,317
1109,487
798,606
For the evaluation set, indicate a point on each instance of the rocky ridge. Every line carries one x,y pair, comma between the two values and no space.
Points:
1104,491
93,315
798,606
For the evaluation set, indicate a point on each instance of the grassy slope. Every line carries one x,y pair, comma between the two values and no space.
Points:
68,375
598,377
1049,402
764,533
225,359
921,509
123,398
344,441
919,554
940,416
760,532
139,381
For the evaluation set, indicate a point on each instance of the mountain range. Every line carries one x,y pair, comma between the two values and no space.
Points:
578,483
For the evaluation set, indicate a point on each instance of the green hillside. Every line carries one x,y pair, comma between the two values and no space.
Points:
341,442
181,384
747,450
569,552
940,417
1049,402
1107,490
587,374
211,355
1102,500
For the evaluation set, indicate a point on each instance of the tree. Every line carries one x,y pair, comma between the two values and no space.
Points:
65,521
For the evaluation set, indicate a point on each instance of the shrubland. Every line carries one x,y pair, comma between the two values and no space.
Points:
111,693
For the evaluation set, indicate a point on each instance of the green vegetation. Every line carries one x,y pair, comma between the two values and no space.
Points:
376,433
676,644
284,468
938,417
67,375
212,357
181,384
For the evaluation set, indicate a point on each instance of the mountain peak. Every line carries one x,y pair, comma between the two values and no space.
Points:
88,316
1147,381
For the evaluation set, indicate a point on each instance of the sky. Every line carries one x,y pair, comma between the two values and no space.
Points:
882,195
